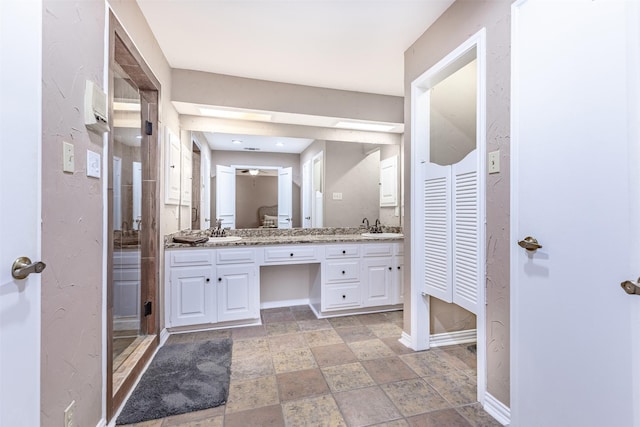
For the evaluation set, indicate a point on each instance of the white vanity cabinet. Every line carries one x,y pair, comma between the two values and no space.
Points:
341,288
126,289
378,274
211,285
398,276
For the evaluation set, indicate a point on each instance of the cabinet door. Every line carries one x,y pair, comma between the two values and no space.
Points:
238,295
399,279
192,296
376,282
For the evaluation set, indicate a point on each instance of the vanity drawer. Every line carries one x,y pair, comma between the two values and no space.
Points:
235,256
190,257
340,297
342,251
290,254
399,248
342,271
377,249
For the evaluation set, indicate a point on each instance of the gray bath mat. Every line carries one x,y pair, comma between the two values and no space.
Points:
181,378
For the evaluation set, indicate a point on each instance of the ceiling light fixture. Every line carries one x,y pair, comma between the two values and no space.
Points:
236,141
279,144
126,106
253,172
375,127
239,115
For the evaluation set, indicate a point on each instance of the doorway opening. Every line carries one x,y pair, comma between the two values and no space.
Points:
133,235
448,151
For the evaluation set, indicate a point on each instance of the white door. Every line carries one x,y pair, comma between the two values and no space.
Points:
307,194
285,199
226,196
574,148
20,198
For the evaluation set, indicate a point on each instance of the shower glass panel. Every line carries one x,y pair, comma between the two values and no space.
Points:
127,217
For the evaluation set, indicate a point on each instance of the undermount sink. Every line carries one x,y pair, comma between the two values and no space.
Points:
383,235
224,239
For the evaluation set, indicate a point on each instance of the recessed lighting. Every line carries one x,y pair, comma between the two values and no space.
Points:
279,144
236,141
139,137
376,127
230,114
253,172
251,148
126,106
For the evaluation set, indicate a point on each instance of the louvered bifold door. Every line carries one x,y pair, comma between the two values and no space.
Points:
437,231
465,233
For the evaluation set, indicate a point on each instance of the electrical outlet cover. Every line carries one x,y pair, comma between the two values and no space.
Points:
93,164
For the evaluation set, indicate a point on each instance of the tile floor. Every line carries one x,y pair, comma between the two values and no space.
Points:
296,370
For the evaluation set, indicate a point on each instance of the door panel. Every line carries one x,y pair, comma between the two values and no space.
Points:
285,199
571,332
20,227
192,294
226,196
237,287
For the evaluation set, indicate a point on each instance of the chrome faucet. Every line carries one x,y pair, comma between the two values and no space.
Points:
366,221
377,227
218,231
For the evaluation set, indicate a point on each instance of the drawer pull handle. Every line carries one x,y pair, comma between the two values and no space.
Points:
390,268
208,280
398,267
344,252
344,296
342,271
291,254
219,279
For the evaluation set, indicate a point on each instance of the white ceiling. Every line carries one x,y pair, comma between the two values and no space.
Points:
353,45
270,144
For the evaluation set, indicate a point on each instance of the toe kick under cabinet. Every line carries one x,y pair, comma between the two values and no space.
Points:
205,286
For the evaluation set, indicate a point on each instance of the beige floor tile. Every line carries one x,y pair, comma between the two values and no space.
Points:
427,363
248,332
286,342
388,369
370,349
347,377
277,316
341,322
256,366
282,328
300,384
251,394
444,417
335,354
386,330
395,345
249,347
370,319
321,411
207,414
293,360
355,333
413,397
477,416
396,423
314,325
457,388
268,416
367,406
322,337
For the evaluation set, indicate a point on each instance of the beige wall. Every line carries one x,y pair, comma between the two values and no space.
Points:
251,193
73,205
457,24
72,216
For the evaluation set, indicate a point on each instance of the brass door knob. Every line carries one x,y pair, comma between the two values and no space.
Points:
529,243
23,266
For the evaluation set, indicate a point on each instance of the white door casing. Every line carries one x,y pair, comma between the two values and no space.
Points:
20,199
285,197
574,156
307,194
172,174
226,196
444,181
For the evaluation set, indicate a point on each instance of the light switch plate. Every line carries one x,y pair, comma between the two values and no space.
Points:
68,157
494,161
337,196
93,164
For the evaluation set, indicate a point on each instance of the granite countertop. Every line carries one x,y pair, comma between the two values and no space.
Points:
262,237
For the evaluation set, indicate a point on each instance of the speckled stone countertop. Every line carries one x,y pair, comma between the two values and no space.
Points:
261,236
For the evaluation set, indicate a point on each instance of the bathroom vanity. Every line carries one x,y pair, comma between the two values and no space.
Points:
217,283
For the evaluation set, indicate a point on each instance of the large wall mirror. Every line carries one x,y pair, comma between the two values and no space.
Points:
282,182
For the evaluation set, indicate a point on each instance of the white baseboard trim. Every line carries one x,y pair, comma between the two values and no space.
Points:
284,303
405,340
497,409
452,338
164,334
102,423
